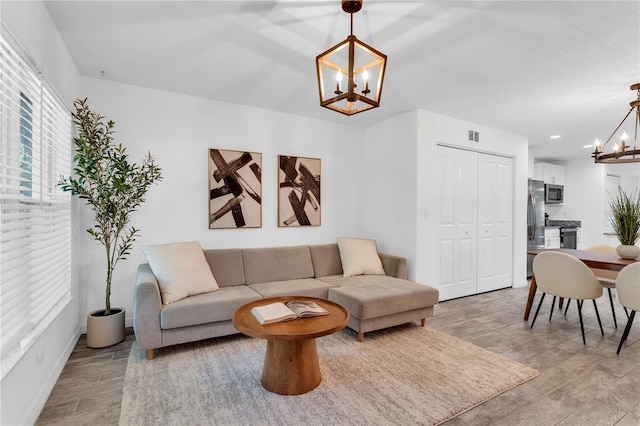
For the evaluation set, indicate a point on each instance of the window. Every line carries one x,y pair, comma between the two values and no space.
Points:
26,145
35,225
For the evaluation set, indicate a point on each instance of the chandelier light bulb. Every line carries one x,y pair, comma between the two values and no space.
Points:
365,80
615,148
624,137
597,142
338,81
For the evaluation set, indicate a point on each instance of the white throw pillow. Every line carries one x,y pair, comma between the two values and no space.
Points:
181,270
359,257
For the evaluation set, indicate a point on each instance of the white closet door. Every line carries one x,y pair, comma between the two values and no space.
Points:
457,231
495,222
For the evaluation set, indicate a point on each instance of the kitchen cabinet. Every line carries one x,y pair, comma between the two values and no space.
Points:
551,238
549,173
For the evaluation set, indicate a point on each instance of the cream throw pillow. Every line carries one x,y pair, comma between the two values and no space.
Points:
359,257
181,270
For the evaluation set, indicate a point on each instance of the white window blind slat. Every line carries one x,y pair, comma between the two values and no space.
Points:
35,226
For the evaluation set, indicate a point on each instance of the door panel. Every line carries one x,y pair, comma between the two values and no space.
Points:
495,222
457,231
445,253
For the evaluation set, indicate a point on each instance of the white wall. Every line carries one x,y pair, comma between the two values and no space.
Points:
584,198
530,165
25,388
629,175
390,186
178,130
408,224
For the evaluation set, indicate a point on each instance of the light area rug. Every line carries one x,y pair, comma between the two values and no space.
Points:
398,376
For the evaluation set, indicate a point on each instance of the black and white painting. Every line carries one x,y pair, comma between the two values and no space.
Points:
235,189
298,191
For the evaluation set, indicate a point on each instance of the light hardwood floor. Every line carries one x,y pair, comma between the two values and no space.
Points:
579,385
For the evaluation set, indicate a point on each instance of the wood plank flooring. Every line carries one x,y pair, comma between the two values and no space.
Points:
578,385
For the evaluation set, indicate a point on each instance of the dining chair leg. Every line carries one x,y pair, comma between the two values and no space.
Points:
538,310
615,321
553,305
567,307
626,331
598,316
580,302
626,312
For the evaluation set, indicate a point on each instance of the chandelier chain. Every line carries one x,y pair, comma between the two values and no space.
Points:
618,128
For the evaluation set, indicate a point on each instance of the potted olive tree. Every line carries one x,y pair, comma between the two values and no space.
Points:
114,187
625,221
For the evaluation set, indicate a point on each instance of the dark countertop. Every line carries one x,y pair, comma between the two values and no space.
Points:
565,223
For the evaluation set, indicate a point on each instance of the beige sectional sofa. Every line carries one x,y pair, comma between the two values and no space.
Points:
245,275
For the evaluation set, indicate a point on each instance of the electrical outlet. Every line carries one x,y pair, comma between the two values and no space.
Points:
39,358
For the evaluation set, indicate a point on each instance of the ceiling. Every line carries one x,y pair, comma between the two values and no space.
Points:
534,68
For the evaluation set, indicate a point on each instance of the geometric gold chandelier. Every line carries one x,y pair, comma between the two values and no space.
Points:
622,153
351,73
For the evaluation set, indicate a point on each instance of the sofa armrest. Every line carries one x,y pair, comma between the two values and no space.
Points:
147,305
394,266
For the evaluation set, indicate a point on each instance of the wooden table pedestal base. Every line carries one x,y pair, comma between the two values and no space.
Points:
291,367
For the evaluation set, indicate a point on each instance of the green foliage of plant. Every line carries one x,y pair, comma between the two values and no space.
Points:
113,186
625,216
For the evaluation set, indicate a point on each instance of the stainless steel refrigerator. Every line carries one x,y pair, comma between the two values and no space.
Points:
535,220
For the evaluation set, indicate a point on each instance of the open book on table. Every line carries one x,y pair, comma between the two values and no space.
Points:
278,311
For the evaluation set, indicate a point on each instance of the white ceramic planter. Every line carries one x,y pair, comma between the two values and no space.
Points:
103,331
628,252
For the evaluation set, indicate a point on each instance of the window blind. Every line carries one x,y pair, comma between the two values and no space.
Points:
35,225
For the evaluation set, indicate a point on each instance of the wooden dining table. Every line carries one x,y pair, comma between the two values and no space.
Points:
593,259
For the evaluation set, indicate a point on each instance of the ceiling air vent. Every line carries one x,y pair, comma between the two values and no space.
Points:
474,136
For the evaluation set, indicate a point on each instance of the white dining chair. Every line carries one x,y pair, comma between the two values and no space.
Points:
628,288
563,275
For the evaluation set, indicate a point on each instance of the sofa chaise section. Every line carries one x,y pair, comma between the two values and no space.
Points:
381,302
374,301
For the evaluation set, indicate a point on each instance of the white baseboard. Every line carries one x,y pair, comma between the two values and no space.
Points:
521,283
45,390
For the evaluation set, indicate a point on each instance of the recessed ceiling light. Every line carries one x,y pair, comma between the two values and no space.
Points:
554,137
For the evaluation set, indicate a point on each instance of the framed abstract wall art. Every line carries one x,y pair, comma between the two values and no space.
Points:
235,189
298,191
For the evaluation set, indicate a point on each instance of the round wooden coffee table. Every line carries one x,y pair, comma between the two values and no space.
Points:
291,364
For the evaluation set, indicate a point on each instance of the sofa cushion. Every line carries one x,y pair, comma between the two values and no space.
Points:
310,287
359,257
206,308
181,270
226,265
326,259
342,281
262,265
382,296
